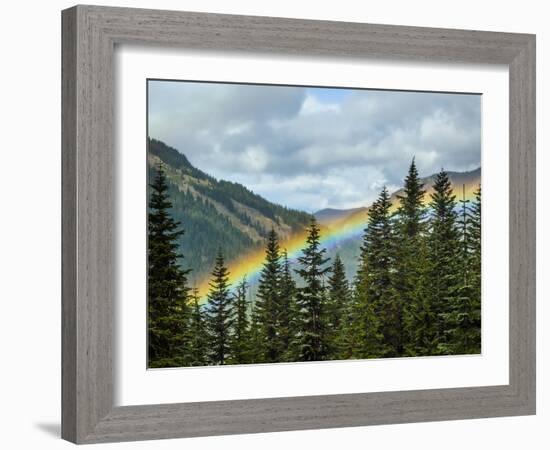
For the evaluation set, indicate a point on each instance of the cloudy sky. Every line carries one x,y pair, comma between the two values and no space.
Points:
313,148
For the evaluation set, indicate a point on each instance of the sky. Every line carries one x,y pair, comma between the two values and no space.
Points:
313,148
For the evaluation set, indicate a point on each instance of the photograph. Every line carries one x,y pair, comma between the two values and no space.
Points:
291,224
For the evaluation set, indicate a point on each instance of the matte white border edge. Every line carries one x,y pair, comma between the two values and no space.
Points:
135,385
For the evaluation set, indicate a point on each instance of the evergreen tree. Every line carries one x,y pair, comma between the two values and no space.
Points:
463,327
240,339
410,228
268,300
198,334
473,239
411,211
337,307
378,266
167,289
347,342
287,306
256,339
472,342
310,343
219,312
363,335
421,318
444,257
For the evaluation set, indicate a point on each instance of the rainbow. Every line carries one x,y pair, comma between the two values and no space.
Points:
333,234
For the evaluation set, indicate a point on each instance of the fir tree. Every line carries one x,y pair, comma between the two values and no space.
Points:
347,342
367,341
444,256
378,266
473,239
198,334
239,348
219,312
472,342
410,228
256,339
463,327
411,211
167,289
362,333
421,318
337,307
268,300
310,343
287,306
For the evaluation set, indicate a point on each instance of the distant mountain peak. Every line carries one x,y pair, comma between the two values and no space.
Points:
470,179
332,214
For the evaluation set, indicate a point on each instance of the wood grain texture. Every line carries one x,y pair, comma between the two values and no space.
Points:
68,226
89,36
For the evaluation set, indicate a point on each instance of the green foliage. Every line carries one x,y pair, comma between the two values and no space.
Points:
463,318
198,201
473,245
339,300
443,255
268,301
296,219
256,336
287,307
378,258
310,342
376,319
167,289
417,290
239,347
220,319
410,232
363,336
421,318
198,340
205,229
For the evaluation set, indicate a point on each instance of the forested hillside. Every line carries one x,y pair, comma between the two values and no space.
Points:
416,291
217,211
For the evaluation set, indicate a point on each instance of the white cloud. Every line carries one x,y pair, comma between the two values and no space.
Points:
254,157
313,106
308,151
238,129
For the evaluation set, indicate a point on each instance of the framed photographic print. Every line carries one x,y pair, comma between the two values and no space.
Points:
278,224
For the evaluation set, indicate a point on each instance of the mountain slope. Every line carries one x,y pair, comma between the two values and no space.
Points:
216,211
329,215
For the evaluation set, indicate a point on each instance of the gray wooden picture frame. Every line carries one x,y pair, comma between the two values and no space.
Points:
90,34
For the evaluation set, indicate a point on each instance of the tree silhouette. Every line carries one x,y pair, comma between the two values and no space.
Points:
410,228
197,354
310,343
268,300
167,290
287,306
239,347
443,255
339,299
219,312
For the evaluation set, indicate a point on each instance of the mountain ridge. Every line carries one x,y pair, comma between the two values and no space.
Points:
470,179
213,211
